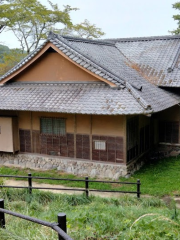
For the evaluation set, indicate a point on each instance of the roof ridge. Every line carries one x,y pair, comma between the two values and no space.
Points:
86,40
88,58
141,101
174,61
97,68
150,38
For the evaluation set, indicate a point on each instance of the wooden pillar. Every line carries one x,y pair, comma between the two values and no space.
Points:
31,128
75,131
125,139
90,136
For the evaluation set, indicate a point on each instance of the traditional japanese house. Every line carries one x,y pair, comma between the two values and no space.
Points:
93,107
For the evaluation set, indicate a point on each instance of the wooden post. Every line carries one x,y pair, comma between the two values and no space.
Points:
91,144
75,130
30,183
2,215
62,223
32,149
138,188
87,187
125,139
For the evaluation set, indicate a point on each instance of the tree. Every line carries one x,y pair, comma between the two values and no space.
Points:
2,24
83,30
31,21
10,58
3,50
176,18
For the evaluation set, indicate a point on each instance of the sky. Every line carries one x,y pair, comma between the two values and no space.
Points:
117,18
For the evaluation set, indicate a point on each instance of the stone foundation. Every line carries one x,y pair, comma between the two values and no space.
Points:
68,165
136,164
172,150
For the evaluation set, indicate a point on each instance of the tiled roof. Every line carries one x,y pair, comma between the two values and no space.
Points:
134,65
156,58
86,98
82,98
113,58
74,54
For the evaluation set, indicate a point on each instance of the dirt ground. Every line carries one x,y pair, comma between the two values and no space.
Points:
166,199
44,185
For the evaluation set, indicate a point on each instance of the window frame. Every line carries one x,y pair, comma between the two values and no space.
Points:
52,132
100,141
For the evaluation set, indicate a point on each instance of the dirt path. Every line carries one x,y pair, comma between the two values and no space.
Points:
35,184
166,199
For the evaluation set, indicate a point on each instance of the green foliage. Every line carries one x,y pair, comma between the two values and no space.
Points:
95,218
159,178
83,30
2,23
31,21
9,59
176,18
3,50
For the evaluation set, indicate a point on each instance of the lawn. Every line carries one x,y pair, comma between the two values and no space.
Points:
160,177
94,218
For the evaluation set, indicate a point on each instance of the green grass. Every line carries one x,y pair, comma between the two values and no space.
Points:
125,218
158,178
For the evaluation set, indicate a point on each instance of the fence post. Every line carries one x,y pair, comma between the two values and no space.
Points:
138,188
87,186
2,215
62,223
30,183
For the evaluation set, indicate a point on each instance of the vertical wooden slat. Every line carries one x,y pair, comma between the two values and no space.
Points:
91,145
75,132
31,128
125,132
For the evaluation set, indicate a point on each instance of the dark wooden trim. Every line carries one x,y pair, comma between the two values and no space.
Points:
91,145
75,132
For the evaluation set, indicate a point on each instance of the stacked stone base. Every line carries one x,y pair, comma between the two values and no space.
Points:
68,165
172,150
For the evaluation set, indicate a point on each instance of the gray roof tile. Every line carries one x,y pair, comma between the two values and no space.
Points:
136,66
69,98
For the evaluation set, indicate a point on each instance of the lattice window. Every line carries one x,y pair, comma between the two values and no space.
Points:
53,126
99,145
169,132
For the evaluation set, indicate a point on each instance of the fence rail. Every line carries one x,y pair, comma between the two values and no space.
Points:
59,227
86,189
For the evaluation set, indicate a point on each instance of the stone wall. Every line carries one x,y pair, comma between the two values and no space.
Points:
68,165
168,150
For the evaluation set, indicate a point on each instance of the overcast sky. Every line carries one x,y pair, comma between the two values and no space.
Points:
118,18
